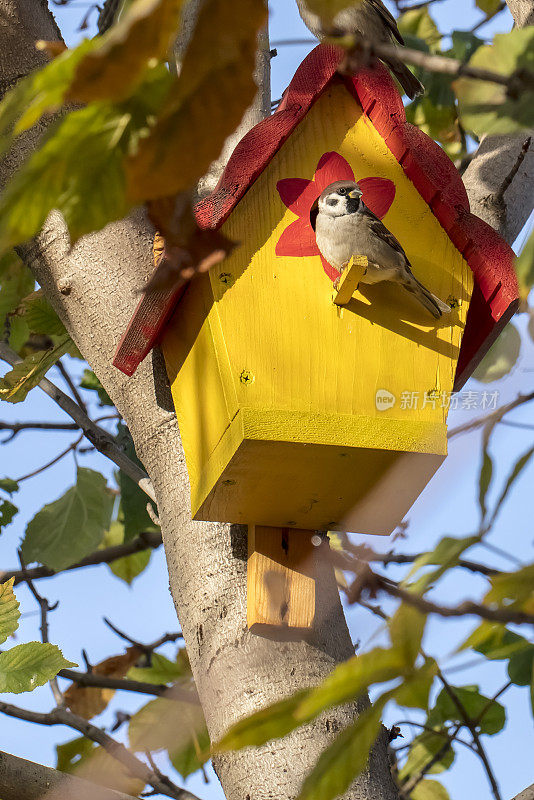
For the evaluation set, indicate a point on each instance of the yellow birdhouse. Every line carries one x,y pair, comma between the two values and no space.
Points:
306,400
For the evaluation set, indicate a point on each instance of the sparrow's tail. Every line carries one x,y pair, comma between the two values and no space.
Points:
432,303
411,85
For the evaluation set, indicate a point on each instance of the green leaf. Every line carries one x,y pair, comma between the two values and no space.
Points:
133,509
501,357
521,666
464,44
71,527
8,485
7,512
485,108
9,610
350,680
484,481
192,755
126,568
71,754
447,554
414,690
419,23
514,475
343,760
16,281
406,629
423,750
475,704
40,317
162,670
495,641
39,92
80,158
524,267
269,723
25,375
513,589
29,665
90,381
430,790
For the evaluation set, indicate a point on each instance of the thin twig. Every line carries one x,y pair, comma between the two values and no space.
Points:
177,693
70,383
149,540
499,195
17,427
45,608
51,463
494,418
99,437
503,615
471,726
147,649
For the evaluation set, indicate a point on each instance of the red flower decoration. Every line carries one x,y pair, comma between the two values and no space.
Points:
299,195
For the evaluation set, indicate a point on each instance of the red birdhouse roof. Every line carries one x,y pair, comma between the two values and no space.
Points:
495,294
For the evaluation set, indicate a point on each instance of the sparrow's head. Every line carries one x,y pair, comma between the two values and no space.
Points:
341,197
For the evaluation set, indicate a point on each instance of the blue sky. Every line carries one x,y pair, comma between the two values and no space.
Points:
448,506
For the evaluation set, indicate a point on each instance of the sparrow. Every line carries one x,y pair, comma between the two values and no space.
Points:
373,22
345,227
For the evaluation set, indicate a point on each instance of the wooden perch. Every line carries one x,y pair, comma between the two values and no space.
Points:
347,283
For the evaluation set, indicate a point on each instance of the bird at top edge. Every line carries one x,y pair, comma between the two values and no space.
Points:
371,20
346,228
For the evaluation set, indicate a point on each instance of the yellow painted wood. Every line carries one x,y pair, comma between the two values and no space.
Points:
276,387
351,276
280,581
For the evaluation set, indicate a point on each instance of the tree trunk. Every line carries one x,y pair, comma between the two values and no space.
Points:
92,287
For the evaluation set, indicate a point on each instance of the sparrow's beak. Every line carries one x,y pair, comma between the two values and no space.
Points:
355,193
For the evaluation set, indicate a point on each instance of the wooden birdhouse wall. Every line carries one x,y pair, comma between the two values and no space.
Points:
275,386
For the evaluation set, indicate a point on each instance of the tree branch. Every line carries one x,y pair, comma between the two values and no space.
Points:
150,540
98,437
503,615
24,780
138,769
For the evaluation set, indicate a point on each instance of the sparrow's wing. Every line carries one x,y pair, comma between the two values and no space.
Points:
387,17
379,229
406,278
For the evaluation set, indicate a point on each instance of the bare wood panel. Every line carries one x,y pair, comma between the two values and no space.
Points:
280,581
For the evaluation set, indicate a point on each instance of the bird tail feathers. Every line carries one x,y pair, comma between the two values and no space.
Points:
432,303
411,85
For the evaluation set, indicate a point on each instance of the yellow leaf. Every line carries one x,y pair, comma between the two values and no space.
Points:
116,65
215,87
89,701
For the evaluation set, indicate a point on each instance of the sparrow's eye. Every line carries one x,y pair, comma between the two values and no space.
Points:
342,191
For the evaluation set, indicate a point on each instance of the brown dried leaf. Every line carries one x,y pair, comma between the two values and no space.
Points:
89,701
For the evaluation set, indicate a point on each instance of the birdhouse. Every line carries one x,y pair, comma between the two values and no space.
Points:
305,401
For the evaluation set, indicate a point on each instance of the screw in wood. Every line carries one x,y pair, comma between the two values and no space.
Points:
246,377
